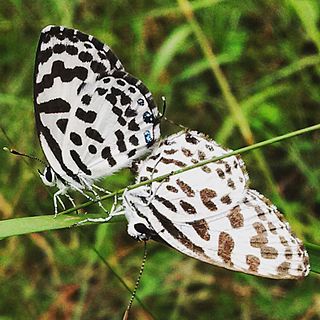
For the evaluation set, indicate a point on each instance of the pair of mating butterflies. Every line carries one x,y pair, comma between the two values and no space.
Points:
93,118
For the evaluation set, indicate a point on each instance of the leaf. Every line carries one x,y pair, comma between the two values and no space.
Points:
168,50
20,226
314,254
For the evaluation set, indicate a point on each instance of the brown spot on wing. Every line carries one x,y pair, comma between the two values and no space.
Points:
288,254
172,189
259,228
235,217
187,207
284,241
231,184
269,252
166,203
226,199
220,173
283,268
206,195
185,188
201,155
202,228
176,162
225,247
186,152
170,151
258,241
253,262
206,169
260,212
272,228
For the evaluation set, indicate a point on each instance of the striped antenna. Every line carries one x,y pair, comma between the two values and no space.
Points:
17,153
162,116
126,314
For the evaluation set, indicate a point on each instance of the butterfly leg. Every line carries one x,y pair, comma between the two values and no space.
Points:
114,212
56,197
71,200
97,197
101,189
117,212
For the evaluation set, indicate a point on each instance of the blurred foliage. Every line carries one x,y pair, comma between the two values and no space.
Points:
269,53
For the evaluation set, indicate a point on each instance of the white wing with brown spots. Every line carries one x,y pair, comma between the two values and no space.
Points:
209,213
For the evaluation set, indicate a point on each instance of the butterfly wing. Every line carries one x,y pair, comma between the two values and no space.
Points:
205,216
89,113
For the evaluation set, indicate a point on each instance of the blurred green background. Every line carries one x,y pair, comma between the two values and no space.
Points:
268,52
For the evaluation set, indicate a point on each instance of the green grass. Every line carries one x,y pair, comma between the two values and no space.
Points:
268,55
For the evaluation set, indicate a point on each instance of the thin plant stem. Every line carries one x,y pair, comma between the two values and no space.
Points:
200,164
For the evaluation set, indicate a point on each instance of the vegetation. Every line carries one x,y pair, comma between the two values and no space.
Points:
240,71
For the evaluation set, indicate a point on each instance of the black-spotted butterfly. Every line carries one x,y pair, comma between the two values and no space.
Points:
92,117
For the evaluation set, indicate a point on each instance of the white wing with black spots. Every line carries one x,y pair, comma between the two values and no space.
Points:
210,214
92,117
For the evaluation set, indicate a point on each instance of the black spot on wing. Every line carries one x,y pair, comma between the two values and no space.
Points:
94,134
86,116
106,154
62,124
75,138
44,55
130,112
134,140
85,56
86,99
58,70
59,48
92,149
76,158
191,139
101,91
97,67
133,126
57,105
120,141
115,92
119,112
120,82
72,50
132,153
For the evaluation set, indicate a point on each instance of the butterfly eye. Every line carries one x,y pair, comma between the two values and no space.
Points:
148,137
48,174
148,117
140,102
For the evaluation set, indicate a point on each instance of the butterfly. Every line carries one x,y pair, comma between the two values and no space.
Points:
210,213
92,117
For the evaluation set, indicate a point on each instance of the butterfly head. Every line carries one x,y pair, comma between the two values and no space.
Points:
48,177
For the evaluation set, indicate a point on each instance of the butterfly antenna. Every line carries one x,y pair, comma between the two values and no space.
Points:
126,314
17,153
162,115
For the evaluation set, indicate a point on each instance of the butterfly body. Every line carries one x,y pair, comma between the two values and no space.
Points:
92,117
209,212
